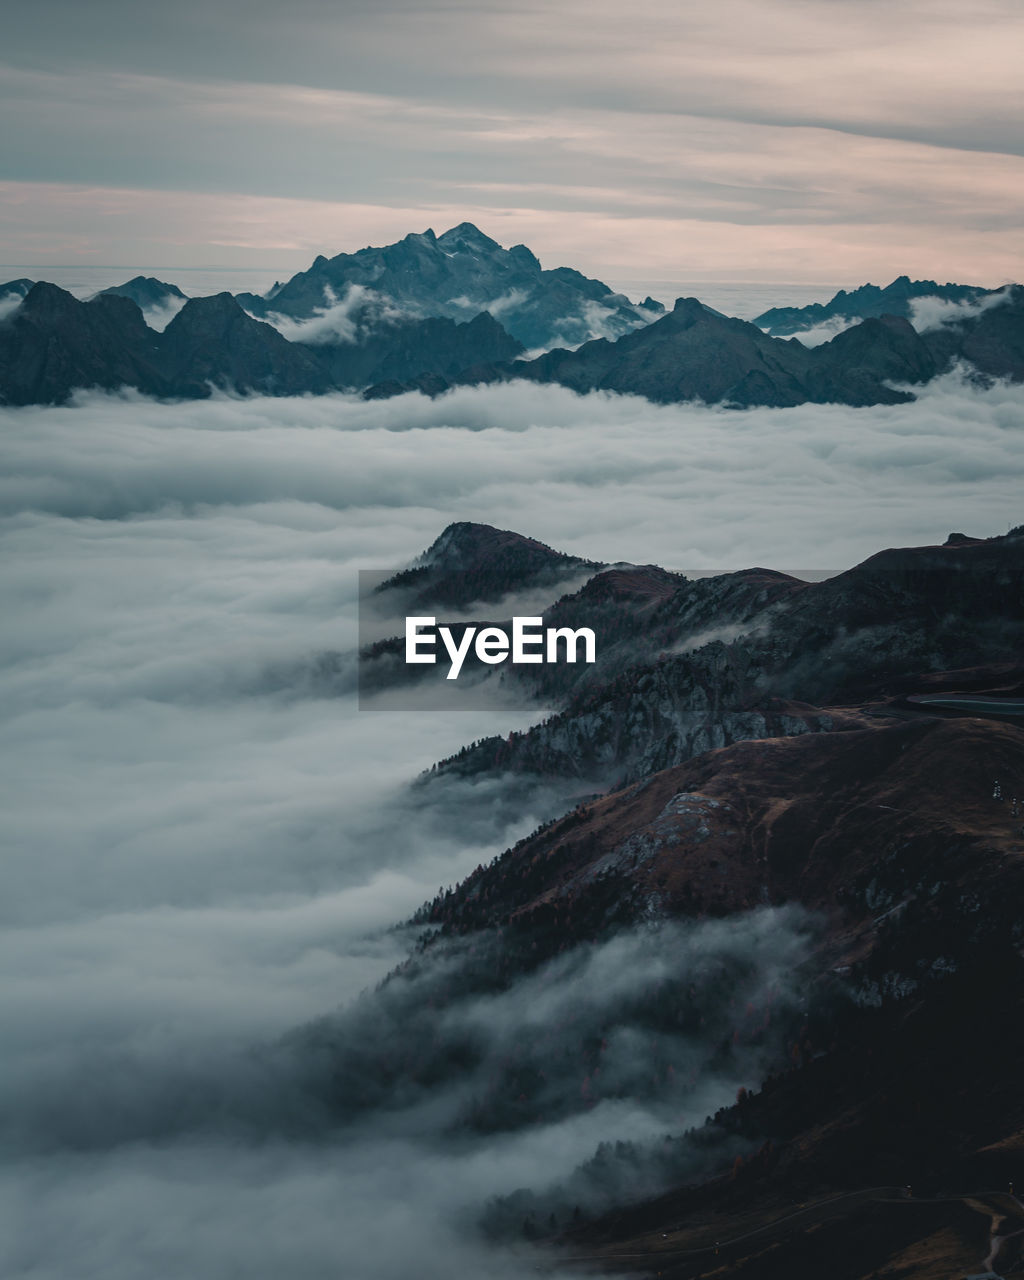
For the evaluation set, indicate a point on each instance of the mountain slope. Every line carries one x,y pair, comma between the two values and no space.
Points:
692,353
992,342
819,919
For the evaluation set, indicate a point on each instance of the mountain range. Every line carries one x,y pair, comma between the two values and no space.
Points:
895,299
694,353
433,312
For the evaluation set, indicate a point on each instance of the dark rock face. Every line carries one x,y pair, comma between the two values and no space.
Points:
404,353
867,301
459,274
54,344
690,354
852,368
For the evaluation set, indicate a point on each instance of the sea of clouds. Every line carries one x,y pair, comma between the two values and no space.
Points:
206,843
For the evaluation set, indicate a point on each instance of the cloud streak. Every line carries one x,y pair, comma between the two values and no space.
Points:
786,142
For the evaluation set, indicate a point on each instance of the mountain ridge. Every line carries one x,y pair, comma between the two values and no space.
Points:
372,322
866,301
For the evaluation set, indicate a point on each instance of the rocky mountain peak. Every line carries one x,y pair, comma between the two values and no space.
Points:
464,544
469,563
467,236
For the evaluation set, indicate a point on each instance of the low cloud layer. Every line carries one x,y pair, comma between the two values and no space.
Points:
606,477
207,843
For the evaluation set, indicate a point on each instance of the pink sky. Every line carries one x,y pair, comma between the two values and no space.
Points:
776,140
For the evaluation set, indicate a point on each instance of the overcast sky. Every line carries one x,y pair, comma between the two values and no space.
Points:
794,140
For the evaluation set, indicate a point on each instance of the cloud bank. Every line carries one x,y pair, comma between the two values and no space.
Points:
206,844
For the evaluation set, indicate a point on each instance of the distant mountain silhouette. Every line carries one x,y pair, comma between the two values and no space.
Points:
54,344
867,301
147,292
695,353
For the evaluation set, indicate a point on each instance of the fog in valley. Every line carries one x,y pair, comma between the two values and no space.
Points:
208,844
